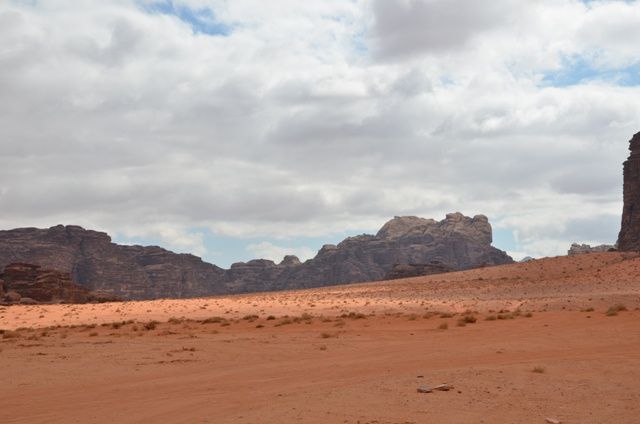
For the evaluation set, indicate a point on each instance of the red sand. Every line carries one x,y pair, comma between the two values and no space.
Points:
328,369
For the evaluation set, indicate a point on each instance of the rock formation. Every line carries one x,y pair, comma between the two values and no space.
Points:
139,272
579,249
629,237
28,283
415,270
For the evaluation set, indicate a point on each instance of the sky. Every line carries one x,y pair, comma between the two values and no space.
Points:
238,129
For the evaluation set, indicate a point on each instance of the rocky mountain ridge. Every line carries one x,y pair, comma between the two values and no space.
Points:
580,249
31,284
149,272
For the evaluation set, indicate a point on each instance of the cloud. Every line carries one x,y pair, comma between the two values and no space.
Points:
407,27
313,118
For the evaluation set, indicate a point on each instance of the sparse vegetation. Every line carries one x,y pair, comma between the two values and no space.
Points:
339,323
214,320
538,370
490,318
151,325
6,334
250,318
284,321
589,309
443,326
271,318
468,319
613,310
354,315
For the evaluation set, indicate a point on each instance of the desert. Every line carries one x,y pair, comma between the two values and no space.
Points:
555,339
319,212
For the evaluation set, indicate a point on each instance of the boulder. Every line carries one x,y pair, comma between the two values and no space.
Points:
12,297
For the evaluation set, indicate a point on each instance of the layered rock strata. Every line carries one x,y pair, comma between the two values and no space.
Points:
28,283
150,272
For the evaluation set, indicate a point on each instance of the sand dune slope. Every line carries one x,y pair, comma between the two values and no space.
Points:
538,340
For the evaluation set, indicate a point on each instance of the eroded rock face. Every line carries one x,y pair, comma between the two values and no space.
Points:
629,237
28,284
138,272
416,270
93,261
580,249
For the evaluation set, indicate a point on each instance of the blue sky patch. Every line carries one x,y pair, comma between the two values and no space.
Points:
202,21
580,70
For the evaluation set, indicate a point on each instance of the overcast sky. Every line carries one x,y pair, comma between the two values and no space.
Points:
235,129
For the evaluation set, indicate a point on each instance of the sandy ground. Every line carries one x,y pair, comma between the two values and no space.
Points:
542,346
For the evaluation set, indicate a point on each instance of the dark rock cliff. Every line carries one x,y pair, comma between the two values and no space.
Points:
139,272
629,237
27,283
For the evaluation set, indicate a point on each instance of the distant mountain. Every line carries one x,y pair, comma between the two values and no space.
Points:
150,272
579,249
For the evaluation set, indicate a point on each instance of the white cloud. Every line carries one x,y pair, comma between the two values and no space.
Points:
311,118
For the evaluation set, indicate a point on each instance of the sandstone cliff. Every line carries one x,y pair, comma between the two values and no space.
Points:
579,249
28,283
138,272
629,237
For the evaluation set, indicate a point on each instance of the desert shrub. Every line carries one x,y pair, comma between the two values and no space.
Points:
259,326
412,317
151,325
468,319
174,320
505,316
353,315
271,318
443,326
446,315
250,317
589,309
491,318
327,335
214,320
538,370
285,321
613,310
93,334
